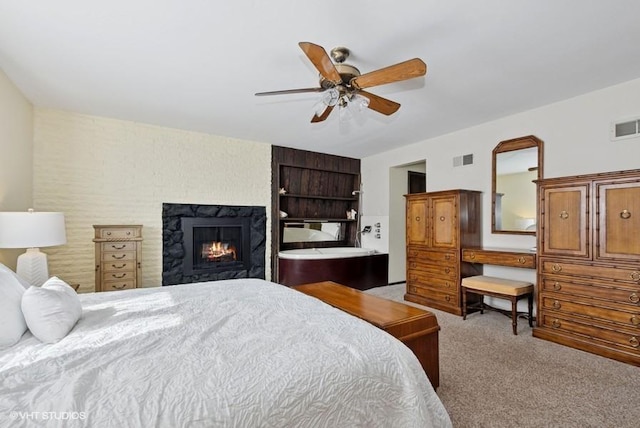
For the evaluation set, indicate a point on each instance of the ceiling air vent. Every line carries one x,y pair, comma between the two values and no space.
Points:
463,160
625,128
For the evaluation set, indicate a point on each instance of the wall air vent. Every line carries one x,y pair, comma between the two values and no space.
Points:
463,160
625,128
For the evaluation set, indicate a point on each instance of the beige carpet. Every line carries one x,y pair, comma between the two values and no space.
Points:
491,378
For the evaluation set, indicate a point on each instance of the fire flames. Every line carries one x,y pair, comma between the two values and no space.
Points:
218,251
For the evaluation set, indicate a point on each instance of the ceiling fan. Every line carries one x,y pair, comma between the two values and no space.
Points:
343,84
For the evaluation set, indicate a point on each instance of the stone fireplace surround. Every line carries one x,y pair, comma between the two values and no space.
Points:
173,250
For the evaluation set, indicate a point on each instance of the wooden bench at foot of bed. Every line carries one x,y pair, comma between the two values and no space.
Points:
416,328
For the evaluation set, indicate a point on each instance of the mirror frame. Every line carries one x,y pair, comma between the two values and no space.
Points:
509,146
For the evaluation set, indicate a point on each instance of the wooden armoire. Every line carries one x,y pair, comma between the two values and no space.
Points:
589,263
439,225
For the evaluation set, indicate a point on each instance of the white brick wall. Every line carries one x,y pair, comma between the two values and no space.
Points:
105,171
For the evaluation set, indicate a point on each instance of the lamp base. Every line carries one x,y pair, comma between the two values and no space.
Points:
32,267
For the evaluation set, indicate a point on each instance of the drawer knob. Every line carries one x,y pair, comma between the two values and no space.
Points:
417,218
564,215
123,265
119,287
448,256
625,214
556,267
414,289
108,233
118,275
472,256
447,298
634,298
557,286
442,218
635,275
413,264
555,323
635,320
118,247
522,260
447,285
634,342
447,270
556,304
118,257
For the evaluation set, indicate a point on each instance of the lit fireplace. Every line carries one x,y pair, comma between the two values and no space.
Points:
219,252
212,242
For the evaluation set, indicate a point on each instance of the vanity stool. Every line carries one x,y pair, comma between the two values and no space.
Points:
500,288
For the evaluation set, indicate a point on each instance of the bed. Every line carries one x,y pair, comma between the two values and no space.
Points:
232,353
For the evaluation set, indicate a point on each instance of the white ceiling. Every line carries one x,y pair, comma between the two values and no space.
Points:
196,64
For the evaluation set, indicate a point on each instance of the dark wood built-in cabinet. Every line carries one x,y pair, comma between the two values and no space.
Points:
318,188
589,263
316,194
439,225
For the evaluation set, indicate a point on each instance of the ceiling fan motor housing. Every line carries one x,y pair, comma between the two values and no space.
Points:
346,72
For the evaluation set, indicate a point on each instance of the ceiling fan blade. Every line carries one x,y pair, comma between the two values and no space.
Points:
323,116
394,73
379,104
321,61
290,91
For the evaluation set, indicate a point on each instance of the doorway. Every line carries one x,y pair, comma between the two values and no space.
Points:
400,177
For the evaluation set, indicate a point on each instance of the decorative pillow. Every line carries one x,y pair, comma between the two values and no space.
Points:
52,310
12,323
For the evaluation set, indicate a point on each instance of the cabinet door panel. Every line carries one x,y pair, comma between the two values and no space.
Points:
566,221
444,229
618,220
417,222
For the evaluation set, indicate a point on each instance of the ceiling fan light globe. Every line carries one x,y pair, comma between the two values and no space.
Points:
330,97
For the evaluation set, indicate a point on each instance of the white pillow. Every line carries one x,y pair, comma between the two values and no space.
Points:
12,323
52,310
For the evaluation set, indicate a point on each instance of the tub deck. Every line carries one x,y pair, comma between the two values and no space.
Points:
361,273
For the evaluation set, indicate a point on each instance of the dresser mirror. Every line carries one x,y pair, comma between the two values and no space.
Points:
516,163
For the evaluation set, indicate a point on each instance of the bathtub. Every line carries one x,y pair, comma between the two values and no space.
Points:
359,268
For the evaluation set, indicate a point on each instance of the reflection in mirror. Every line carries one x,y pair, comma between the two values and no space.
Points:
312,232
516,164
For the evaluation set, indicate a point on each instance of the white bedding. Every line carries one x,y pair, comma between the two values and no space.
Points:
238,353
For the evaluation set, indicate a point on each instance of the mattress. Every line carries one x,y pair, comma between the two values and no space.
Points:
233,353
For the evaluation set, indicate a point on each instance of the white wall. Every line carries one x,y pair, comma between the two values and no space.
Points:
105,171
576,141
16,155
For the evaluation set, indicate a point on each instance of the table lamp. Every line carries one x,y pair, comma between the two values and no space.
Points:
32,230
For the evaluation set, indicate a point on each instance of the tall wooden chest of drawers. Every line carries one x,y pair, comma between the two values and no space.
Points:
118,256
439,224
589,263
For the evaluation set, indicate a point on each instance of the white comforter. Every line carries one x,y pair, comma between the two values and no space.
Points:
238,353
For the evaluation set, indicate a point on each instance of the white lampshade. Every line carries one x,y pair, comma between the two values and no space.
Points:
31,230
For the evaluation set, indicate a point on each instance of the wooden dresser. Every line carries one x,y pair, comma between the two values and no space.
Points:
439,224
118,256
589,263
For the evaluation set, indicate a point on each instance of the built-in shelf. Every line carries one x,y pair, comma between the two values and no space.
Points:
319,189
331,198
316,220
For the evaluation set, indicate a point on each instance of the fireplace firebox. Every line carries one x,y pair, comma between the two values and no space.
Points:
212,242
216,244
